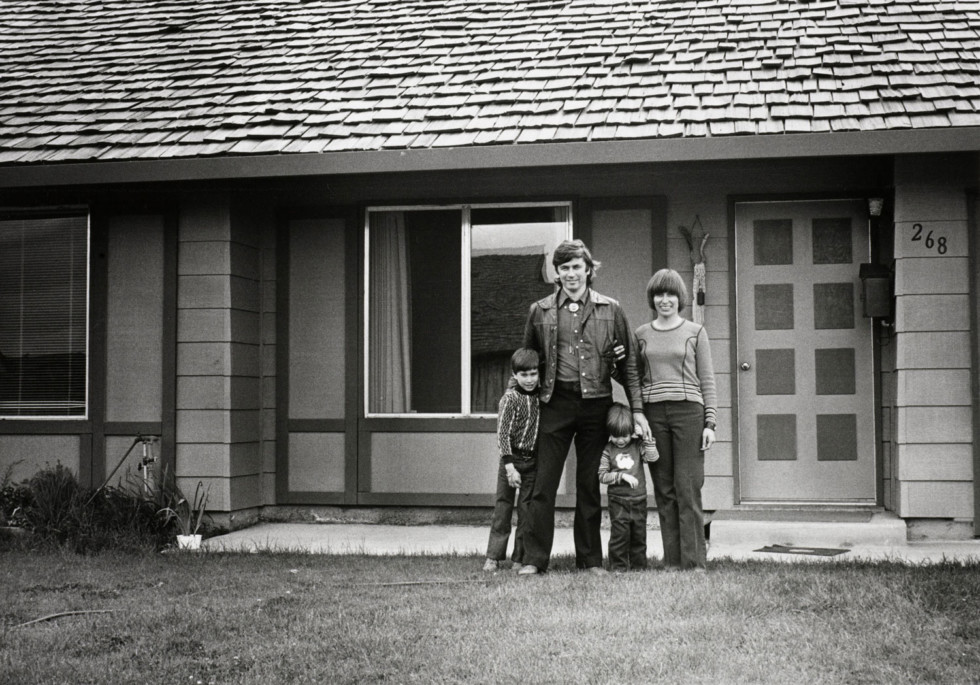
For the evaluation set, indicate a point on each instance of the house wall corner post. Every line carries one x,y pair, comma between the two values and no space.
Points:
932,428
218,353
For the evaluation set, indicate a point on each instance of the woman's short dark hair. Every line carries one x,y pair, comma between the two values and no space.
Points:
568,250
619,421
523,359
670,282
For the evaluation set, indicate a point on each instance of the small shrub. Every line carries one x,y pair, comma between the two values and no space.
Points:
14,499
60,512
56,499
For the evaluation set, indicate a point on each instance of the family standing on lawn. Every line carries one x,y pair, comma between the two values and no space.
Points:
580,341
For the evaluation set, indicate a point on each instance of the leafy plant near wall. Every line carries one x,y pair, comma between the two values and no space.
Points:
187,514
55,509
14,497
59,512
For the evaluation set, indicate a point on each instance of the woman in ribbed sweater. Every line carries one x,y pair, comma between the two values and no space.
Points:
680,403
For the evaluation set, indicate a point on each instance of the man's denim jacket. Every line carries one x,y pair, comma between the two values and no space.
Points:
604,325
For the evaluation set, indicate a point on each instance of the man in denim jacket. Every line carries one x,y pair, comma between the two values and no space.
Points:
584,340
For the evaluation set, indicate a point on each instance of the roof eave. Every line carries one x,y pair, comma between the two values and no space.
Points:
894,142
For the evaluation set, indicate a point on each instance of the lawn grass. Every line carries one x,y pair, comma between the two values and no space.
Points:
294,618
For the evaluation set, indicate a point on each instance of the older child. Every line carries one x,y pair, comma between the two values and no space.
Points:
621,469
517,436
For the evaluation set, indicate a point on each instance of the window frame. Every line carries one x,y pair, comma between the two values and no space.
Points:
465,258
67,212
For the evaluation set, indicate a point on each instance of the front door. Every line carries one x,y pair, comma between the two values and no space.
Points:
804,365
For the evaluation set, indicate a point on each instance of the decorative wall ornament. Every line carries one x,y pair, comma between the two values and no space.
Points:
696,240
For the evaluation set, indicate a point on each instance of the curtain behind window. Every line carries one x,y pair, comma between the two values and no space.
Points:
390,314
43,316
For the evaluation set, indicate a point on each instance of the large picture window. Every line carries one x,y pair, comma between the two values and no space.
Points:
447,292
43,316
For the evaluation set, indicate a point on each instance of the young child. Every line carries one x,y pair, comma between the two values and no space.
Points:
517,436
621,468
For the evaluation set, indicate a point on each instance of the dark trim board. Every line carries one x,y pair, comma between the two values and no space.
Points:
434,499
314,498
354,330
90,470
282,357
973,252
430,425
168,428
789,146
35,427
117,428
423,499
317,425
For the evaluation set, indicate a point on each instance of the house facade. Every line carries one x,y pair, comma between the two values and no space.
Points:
294,243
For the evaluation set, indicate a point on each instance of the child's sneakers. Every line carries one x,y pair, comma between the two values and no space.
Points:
490,565
650,453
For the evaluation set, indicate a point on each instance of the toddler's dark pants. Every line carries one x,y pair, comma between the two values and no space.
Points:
628,533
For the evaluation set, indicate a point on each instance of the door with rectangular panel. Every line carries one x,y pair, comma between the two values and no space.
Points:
805,366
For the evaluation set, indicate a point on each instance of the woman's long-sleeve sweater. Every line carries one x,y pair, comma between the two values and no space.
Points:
676,365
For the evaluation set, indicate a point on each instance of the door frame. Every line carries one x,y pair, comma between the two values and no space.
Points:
878,256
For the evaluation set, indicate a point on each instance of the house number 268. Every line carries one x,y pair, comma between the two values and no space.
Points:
937,243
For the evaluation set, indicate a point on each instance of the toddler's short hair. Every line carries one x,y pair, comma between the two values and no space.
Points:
619,421
523,359
670,282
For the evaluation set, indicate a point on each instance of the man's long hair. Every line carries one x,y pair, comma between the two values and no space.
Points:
568,250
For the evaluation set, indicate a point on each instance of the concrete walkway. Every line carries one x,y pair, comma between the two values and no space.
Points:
736,540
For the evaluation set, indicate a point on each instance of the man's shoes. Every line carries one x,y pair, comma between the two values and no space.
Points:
597,570
490,565
528,570
516,567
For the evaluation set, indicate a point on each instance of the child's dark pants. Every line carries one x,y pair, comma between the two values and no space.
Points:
628,533
504,508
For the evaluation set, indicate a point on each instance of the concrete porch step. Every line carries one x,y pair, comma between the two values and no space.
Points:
808,529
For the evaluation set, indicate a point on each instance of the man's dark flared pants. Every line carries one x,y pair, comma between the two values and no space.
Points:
568,417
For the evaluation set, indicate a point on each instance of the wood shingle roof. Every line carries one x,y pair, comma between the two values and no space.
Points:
98,80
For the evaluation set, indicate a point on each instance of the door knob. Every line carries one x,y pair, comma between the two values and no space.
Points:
745,366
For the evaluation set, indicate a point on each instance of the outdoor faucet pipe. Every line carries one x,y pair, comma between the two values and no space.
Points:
139,439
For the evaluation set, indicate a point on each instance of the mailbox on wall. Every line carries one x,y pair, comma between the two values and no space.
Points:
876,290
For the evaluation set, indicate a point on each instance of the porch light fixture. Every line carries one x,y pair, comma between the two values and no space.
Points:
875,205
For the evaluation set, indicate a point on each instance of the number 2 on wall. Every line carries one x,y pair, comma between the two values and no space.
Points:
939,243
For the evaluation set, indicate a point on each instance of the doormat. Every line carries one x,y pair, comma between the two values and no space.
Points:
809,551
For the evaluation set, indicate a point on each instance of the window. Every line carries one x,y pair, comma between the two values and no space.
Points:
43,316
447,293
